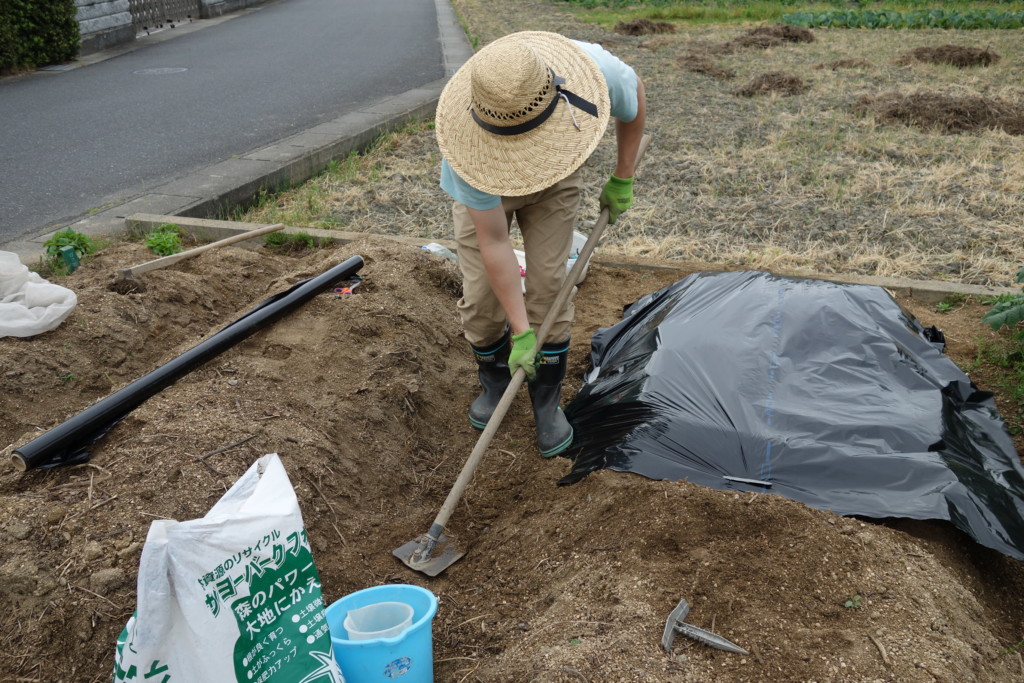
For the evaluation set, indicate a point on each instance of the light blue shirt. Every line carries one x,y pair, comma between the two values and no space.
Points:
621,81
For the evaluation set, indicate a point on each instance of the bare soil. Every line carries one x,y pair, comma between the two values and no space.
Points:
364,395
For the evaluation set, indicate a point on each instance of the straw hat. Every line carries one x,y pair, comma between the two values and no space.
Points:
523,113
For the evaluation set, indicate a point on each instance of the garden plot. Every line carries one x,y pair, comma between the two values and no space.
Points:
364,396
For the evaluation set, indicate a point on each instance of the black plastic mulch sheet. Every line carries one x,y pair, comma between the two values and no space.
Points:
825,393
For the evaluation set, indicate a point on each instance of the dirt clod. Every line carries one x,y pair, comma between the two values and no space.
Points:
106,580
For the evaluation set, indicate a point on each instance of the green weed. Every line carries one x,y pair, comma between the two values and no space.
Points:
55,264
1008,311
951,303
1007,353
1003,358
82,244
853,602
165,240
293,242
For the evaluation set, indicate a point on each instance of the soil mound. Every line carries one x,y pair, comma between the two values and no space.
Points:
644,27
699,64
957,55
851,63
770,36
772,82
364,396
946,113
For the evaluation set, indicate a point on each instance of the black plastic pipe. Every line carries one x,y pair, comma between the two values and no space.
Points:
68,442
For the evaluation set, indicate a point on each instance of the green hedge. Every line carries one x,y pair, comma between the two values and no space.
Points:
37,32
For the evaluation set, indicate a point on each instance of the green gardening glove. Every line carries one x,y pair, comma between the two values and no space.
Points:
617,195
520,356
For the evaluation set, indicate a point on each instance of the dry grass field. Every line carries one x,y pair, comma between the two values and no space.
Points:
834,178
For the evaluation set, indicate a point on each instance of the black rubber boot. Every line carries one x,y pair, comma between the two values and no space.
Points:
554,433
492,362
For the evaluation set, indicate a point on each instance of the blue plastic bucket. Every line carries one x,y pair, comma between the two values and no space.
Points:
409,656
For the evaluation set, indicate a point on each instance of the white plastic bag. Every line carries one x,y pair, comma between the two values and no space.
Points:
30,305
232,597
579,240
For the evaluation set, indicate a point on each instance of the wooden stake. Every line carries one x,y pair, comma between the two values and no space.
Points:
129,273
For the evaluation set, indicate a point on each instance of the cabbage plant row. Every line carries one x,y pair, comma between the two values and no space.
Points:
930,18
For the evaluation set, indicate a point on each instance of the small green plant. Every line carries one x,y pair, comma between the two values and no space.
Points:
1013,648
165,240
58,263
950,303
82,244
853,602
68,378
293,242
1008,310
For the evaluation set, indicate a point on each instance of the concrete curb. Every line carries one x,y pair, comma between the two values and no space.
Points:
235,182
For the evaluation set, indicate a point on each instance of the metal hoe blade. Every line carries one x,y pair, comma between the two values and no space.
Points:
675,624
429,556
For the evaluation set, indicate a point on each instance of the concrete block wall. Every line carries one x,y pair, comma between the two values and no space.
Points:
103,24
215,8
107,23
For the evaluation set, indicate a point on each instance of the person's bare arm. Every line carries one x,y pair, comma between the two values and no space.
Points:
629,134
501,264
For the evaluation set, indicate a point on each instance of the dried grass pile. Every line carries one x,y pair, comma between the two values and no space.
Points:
947,113
644,27
955,55
770,36
851,63
699,64
772,82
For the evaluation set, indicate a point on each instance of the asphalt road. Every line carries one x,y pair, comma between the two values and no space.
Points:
75,141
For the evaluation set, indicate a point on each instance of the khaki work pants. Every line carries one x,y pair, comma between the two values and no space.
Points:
546,220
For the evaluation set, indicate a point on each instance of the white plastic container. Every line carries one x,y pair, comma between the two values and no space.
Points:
579,240
379,620
440,250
